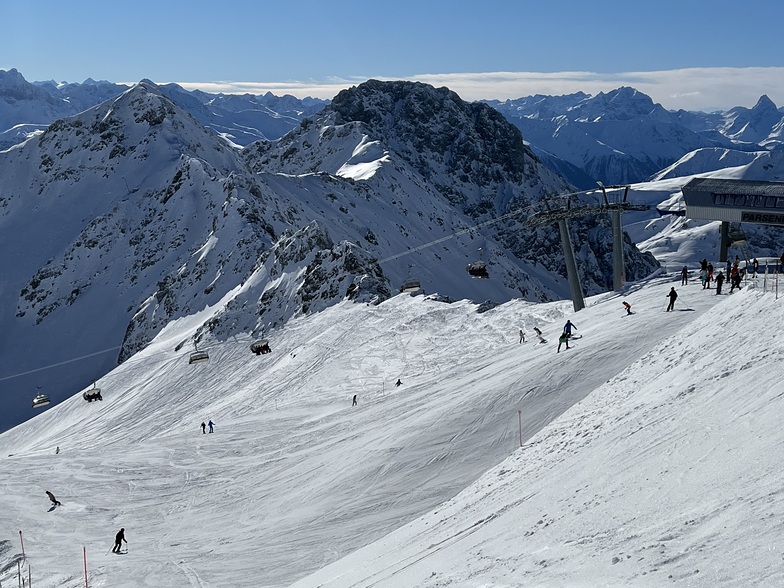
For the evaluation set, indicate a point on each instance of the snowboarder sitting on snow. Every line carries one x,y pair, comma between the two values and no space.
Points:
564,338
55,502
628,307
118,539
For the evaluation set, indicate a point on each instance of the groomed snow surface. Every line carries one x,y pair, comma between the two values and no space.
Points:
651,453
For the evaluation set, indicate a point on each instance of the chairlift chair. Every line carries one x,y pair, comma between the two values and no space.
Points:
260,347
198,357
410,284
93,393
40,400
478,269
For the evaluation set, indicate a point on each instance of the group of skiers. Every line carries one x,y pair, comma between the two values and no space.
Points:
734,272
204,426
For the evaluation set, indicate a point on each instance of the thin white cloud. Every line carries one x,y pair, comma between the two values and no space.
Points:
717,88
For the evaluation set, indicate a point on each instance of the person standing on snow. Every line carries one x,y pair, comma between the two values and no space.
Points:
684,276
628,307
354,402
210,425
522,336
568,328
203,428
564,338
118,539
755,267
719,282
673,296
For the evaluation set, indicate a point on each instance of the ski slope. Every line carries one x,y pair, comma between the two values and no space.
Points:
649,452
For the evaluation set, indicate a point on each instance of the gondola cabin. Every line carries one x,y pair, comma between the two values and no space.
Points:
198,357
260,347
40,400
478,269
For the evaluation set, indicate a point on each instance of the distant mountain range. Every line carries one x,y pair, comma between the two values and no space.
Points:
624,137
616,138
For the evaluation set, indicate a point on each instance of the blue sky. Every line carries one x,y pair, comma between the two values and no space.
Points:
686,53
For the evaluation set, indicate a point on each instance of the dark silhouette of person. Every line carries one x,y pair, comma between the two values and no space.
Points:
684,276
628,307
354,402
398,383
210,425
203,427
522,336
118,539
55,502
673,296
719,282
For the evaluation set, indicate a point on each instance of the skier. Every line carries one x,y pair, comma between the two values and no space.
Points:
210,425
684,276
735,280
118,539
755,266
673,295
568,328
564,338
203,428
398,383
719,282
522,336
628,307
354,402
539,335
55,502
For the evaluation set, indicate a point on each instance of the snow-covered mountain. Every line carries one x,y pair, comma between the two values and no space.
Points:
624,137
131,214
28,108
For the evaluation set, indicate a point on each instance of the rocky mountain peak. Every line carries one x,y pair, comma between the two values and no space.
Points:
471,141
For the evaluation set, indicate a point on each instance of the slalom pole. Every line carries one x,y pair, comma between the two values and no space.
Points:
84,551
24,557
